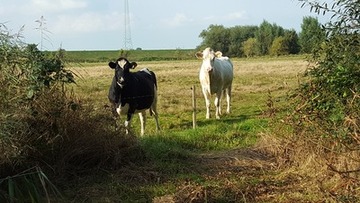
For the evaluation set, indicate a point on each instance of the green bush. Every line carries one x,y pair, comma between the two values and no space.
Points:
331,95
44,125
324,144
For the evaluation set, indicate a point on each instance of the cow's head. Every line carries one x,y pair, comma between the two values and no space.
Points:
208,56
122,67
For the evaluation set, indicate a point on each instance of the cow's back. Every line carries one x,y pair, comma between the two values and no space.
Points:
226,68
222,75
139,91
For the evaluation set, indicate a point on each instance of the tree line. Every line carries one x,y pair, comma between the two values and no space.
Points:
265,39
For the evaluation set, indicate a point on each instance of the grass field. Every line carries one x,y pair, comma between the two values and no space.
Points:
217,161
253,79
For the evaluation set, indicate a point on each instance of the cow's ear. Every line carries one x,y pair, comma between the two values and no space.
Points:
133,65
199,55
112,65
218,54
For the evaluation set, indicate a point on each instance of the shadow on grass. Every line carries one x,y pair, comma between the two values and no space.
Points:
218,176
178,164
225,119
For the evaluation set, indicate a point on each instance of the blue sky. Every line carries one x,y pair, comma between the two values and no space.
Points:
157,24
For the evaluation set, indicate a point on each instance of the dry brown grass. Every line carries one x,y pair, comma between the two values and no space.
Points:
320,167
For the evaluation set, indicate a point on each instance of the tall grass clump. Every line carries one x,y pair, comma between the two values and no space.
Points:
45,126
323,145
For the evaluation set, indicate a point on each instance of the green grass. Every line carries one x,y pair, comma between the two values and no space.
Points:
212,135
136,55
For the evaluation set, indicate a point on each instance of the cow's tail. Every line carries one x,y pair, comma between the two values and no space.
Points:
154,78
153,106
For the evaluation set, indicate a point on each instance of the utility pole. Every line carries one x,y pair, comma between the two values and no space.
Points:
42,29
127,34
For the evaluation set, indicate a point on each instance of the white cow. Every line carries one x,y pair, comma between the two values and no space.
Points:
216,76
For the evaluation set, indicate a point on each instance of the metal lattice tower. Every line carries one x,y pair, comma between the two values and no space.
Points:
127,34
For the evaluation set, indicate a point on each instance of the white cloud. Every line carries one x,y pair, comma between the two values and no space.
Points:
235,16
178,20
51,5
86,23
225,18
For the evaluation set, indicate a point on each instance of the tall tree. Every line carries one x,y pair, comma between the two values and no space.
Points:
287,44
250,47
238,35
277,30
292,41
278,47
264,37
266,34
217,37
311,34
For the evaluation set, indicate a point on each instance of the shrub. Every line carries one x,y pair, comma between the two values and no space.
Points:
320,138
44,125
325,123
331,94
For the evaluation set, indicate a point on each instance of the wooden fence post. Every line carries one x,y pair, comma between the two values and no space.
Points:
194,106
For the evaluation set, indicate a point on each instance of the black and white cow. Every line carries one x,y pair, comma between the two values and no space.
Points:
133,92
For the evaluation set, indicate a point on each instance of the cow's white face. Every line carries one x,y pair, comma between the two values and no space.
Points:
208,57
121,66
119,72
122,63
